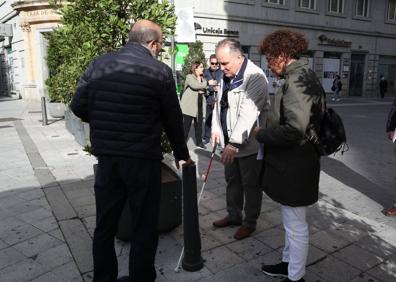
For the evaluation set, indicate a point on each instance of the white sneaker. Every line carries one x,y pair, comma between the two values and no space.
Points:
338,99
332,99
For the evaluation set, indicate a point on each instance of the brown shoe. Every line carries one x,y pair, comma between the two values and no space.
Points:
224,222
243,232
391,212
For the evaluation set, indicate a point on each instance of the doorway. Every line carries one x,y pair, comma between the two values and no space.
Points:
357,75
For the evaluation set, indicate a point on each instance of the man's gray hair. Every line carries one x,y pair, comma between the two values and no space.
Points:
233,44
144,35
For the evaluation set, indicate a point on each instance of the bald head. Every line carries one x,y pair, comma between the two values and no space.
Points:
144,31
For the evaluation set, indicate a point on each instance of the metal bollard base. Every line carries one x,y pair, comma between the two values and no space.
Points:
195,266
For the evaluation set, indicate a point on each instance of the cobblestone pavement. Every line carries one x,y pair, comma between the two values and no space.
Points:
47,215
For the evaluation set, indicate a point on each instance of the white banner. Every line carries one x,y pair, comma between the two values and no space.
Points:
185,31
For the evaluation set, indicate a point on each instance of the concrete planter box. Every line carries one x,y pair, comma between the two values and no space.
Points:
77,127
56,110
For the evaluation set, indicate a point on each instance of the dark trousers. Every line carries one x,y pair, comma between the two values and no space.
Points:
137,181
223,122
187,120
382,93
208,121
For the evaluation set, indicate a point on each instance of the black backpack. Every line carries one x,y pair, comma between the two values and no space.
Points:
329,136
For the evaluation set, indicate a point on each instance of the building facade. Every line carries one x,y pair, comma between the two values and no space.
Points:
23,68
353,38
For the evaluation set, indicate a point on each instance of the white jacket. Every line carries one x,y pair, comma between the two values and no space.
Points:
246,102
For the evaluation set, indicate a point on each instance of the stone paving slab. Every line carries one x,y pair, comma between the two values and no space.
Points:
25,270
60,205
64,273
332,269
79,242
33,246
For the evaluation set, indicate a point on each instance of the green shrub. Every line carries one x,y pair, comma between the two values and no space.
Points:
90,28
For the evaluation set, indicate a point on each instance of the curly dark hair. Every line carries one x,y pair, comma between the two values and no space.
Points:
194,65
284,42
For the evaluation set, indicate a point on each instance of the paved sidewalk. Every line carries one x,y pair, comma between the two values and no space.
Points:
47,216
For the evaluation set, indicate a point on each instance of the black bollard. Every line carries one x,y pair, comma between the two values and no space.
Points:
192,260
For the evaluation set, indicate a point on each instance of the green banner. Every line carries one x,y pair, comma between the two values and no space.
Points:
181,53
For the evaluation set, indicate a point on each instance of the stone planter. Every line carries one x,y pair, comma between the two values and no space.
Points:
77,127
56,109
170,212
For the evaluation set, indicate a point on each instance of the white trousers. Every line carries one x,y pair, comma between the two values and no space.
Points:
295,251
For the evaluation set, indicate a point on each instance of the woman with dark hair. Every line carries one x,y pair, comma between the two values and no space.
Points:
192,101
291,164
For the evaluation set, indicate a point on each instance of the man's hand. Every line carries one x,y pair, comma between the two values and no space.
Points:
228,154
215,138
188,162
212,82
255,131
390,135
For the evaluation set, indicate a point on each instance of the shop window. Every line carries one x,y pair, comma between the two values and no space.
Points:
275,2
307,4
336,6
362,8
392,10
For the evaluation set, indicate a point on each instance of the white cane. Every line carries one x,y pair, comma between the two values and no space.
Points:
205,177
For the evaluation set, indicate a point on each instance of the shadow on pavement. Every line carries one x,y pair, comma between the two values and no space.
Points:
349,177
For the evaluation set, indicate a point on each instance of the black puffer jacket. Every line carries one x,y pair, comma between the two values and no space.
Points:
128,97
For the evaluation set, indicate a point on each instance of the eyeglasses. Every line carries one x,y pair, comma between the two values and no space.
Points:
214,64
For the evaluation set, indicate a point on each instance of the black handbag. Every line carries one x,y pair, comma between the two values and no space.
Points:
329,136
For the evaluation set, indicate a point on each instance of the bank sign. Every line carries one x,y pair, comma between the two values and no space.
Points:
220,32
5,30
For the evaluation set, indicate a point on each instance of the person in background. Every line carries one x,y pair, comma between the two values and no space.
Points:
243,100
211,73
337,87
383,86
390,131
291,163
128,97
192,101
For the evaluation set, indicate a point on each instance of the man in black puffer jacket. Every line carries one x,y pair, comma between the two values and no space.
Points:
128,97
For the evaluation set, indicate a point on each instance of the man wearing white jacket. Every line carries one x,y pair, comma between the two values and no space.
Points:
242,102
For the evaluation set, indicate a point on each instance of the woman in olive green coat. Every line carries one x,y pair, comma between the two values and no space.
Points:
192,101
291,164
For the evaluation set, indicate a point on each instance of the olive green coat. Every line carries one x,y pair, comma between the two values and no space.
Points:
189,100
291,165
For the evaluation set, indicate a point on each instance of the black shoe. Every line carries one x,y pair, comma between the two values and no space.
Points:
279,269
288,280
201,145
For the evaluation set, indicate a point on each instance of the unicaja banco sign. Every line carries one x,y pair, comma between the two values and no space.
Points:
220,31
